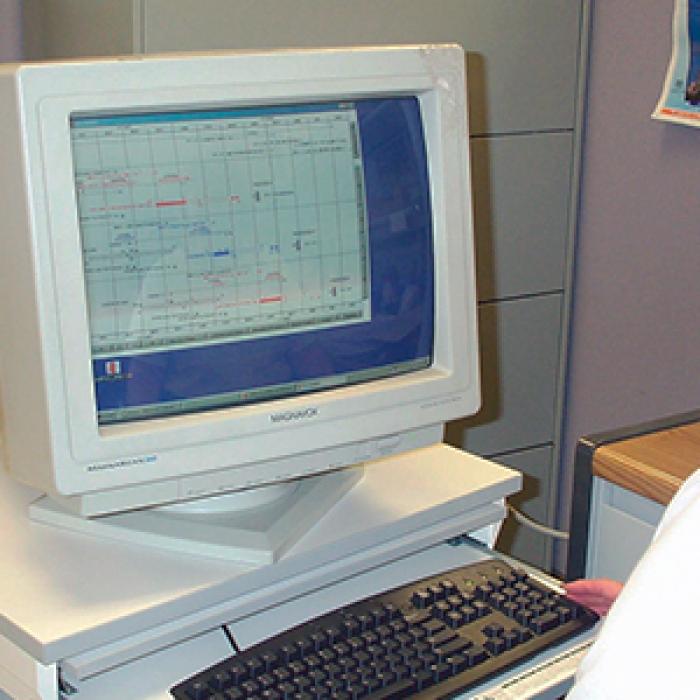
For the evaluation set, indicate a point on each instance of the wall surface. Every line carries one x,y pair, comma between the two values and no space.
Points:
10,34
635,344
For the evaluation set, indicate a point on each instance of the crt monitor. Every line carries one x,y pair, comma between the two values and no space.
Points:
228,273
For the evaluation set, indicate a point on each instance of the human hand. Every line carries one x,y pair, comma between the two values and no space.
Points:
598,594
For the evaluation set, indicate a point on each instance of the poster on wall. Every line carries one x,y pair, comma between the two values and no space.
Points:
680,98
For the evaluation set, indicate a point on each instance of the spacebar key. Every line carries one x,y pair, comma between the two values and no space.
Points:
402,689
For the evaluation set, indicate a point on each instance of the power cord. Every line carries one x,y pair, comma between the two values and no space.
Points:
537,527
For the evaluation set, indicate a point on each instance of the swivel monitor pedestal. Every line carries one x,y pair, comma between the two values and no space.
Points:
395,505
254,527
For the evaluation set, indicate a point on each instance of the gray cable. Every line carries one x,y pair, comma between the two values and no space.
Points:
538,527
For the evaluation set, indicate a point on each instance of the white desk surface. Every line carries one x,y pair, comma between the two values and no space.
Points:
63,594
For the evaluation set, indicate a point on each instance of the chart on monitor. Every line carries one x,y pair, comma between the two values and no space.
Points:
203,226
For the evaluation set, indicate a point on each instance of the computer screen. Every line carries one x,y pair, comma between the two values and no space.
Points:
228,271
228,256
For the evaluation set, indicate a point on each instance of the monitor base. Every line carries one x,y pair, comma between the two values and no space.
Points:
257,530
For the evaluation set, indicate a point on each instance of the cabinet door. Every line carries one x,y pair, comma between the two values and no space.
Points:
521,212
519,347
522,55
621,527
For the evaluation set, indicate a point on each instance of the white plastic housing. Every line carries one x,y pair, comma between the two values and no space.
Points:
52,438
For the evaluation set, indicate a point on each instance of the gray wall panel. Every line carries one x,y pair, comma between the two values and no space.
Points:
521,212
522,78
519,361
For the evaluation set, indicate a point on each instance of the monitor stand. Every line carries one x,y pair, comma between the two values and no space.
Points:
255,526
349,518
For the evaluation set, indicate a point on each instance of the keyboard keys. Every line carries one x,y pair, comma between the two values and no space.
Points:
481,608
563,612
456,646
457,662
254,666
485,590
544,623
441,609
392,611
234,694
221,680
454,619
401,689
524,616
441,638
474,622
421,599
455,601
198,690
366,622
510,609
351,626
423,679
512,638
496,645
476,655
493,630
469,613
319,640
429,628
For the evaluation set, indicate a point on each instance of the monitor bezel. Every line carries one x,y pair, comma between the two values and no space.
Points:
91,457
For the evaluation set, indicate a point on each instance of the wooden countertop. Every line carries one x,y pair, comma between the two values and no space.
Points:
653,465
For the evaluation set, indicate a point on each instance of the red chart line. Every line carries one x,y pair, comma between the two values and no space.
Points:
171,203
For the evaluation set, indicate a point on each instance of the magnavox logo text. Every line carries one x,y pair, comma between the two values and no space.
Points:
287,416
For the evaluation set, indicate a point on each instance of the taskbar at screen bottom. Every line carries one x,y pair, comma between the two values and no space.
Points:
257,395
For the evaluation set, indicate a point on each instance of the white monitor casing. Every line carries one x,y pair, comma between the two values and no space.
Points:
52,438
